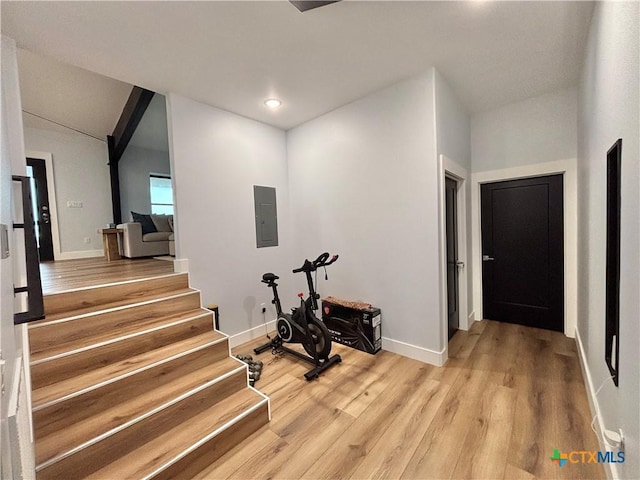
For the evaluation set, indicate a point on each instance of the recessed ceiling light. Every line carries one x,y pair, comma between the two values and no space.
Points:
272,102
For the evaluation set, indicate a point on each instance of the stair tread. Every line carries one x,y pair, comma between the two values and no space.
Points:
165,447
88,340
66,437
56,391
109,305
103,307
128,290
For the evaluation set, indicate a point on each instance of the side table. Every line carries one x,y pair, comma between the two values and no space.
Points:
110,243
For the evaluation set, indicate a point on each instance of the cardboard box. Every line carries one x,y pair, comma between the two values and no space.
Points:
360,329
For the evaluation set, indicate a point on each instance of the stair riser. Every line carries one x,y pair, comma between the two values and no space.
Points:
58,369
88,460
210,451
69,332
166,376
95,297
55,445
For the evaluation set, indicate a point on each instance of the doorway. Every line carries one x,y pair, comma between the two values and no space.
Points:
37,171
522,226
451,226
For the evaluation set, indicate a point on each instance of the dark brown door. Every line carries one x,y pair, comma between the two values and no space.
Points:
453,297
41,212
523,252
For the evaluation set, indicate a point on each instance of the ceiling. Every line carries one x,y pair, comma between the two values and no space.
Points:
234,55
69,96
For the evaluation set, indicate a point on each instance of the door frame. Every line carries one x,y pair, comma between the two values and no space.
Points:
53,206
450,168
568,168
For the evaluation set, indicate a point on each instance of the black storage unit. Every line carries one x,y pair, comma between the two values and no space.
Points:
353,327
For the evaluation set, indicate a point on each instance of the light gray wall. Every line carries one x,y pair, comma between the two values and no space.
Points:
81,173
453,128
608,110
453,124
134,168
536,130
216,159
363,182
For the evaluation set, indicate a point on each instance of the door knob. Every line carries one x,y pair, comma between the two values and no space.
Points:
487,258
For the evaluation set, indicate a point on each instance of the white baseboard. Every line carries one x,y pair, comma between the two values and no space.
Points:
609,468
471,319
181,265
251,334
80,254
417,353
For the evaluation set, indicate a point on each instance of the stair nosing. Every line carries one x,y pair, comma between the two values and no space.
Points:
128,374
113,284
191,291
117,339
206,438
138,419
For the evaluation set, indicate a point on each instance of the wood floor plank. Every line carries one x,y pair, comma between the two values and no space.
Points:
348,451
389,456
487,436
442,445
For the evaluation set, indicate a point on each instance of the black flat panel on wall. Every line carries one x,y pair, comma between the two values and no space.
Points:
612,316
523,252
266,213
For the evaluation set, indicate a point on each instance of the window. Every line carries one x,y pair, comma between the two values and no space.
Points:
161,193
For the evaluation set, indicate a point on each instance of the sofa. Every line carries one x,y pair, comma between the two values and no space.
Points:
147,236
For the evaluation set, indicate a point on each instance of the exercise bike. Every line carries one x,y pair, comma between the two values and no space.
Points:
302,326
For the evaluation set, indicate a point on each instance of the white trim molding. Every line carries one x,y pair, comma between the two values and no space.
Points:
181,265
610,468
252,334
78,254
568,168
416,353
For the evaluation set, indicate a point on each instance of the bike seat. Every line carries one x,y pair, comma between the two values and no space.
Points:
269,277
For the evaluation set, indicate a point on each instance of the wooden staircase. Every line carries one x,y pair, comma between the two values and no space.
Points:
131,380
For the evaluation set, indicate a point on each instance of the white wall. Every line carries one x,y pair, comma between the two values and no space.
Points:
81,173
536,130
363,182
216,158
453,128
453,124
608,110
134,168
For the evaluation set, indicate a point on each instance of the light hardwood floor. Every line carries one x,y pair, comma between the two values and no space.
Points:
507,398
86,272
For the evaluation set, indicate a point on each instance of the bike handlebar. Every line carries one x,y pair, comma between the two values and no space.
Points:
321,261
